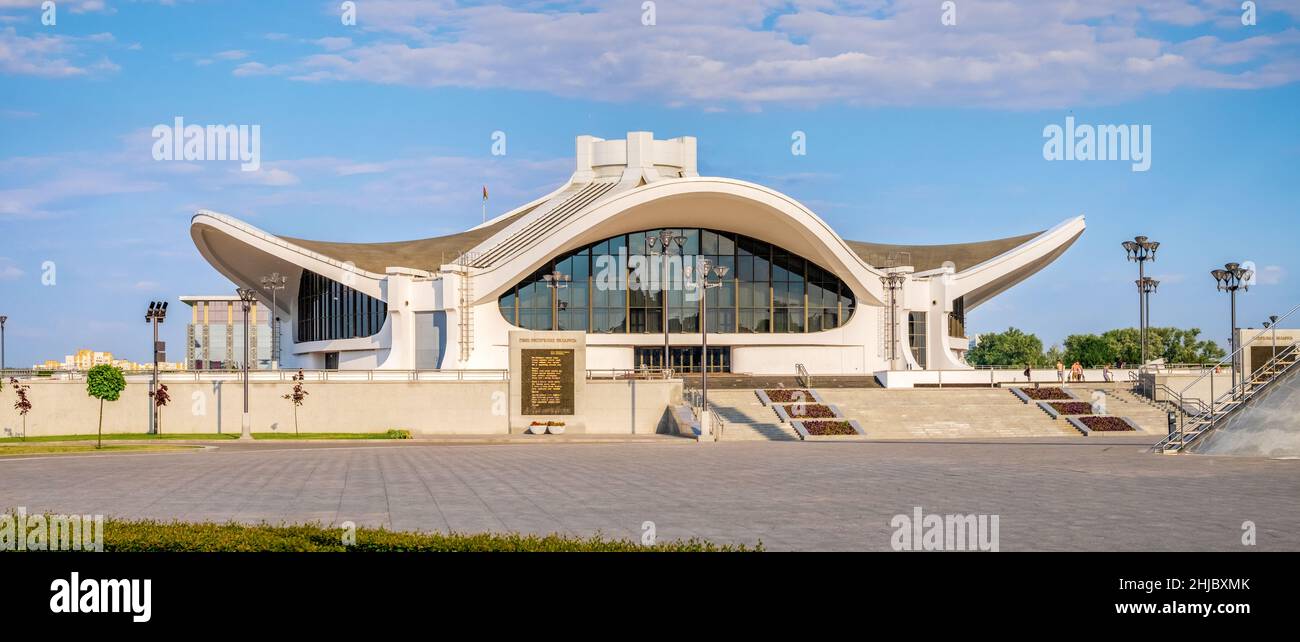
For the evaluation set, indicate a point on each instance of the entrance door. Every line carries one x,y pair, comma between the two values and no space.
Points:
331,361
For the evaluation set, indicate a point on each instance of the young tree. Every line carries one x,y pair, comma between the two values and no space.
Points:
105,383
160,399
297,397
23,405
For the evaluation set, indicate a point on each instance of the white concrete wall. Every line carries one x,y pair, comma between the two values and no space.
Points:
62,407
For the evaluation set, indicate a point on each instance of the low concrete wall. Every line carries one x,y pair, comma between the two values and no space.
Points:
1194,385
442,407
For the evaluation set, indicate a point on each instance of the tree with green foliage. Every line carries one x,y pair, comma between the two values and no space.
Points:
1174,345
105,383
1088,349
1013,347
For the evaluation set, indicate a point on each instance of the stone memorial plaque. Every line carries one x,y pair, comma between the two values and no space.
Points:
546,382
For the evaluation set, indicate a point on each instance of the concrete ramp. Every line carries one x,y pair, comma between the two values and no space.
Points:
1268,426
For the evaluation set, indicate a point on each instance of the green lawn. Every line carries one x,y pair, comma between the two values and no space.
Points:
332,435
206,436
116,437
153,536
8,450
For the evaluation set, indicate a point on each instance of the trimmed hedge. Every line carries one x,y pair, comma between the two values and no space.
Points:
207,537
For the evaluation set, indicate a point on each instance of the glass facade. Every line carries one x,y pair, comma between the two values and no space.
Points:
329,310
916,336
615,288
216,336
684,358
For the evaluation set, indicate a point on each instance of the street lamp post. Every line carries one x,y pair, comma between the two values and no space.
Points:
2,345
1141,250
247,298
666,240
1272,323
275,283
1147,286
556,281
894,282
704,285
1231,278
157,313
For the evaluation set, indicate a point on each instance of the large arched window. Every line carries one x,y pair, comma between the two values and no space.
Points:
329,310
767,289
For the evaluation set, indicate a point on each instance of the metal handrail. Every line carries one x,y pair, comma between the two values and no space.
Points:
1195,402
1232,357
1211,414
715,424
801,375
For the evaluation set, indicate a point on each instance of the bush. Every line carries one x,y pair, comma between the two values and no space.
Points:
822,428
1105,424
812,411
788,395
1045,394
1072,407
207,537
398,433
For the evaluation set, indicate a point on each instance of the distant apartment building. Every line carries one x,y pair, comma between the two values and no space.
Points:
215,335
86,359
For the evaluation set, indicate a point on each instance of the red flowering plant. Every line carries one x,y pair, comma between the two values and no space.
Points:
297,396
23,405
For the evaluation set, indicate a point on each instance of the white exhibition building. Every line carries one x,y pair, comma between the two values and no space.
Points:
589,256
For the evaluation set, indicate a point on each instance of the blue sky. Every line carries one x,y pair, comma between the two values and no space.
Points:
917,132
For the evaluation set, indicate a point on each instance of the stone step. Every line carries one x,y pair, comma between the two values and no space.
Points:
758,432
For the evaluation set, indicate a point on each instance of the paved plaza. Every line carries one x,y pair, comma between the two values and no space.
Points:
1050,494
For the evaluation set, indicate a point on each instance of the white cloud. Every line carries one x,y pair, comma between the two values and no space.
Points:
334,44
1271,275
9,271
1017,54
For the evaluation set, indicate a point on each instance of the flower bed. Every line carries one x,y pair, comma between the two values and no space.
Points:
825,428
1106,424
809,411
788,395
1072,407
1045,394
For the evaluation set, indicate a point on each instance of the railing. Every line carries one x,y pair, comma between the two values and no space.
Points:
1186,406
802,376
1193,428
287,374
631,373
715,425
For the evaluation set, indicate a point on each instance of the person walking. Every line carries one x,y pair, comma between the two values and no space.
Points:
1060,371
1106,374
1076,372
1029,375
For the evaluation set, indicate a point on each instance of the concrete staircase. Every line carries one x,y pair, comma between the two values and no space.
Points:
922,413
949,413
745,418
